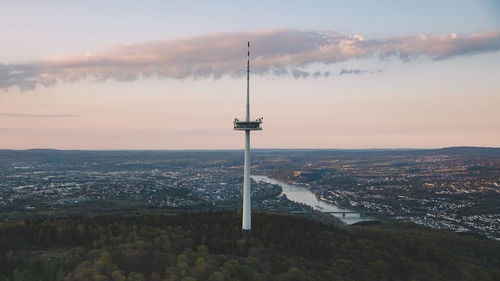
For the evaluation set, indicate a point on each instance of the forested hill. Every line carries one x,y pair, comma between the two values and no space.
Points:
211,246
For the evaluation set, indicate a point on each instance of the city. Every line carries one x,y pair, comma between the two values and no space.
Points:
454,188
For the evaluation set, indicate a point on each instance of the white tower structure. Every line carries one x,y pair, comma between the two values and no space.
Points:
247,126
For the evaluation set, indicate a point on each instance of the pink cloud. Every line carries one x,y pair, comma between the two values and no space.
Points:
274,52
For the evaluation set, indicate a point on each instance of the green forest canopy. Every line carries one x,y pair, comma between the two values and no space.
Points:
211,246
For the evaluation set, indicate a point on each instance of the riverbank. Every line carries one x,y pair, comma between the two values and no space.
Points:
305,196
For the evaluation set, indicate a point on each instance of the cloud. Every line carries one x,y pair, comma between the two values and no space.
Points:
297,73
25,76
274,52
35,115
345,71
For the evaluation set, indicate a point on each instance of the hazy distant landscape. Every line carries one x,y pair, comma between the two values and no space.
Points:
453,188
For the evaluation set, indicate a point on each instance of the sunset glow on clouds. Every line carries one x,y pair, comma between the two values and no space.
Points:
276,52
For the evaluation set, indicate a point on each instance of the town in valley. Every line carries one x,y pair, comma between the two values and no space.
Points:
452,188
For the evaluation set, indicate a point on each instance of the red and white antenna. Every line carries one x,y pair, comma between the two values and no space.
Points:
248,83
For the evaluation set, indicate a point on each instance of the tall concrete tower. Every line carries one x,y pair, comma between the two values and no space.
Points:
247,126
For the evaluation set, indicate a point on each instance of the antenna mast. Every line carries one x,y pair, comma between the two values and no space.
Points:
248,83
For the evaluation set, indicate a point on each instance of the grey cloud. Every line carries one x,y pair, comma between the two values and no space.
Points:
345,71
297,73
274,52
280,71
23,76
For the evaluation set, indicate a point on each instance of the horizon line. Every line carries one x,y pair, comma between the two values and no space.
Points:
255,149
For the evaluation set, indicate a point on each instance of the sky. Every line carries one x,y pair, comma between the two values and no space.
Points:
324,74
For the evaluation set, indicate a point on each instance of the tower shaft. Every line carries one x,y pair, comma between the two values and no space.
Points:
247,202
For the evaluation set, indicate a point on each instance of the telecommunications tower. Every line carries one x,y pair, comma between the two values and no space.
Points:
247,126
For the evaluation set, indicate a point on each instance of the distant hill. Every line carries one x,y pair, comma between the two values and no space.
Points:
470,150
211,246
54,155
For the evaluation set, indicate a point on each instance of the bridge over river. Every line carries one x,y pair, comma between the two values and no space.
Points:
305,196
343,213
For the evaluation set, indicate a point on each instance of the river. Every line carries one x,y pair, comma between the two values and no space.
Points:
304,195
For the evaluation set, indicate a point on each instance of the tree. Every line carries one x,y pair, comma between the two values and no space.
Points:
216,276
201,269
135,276
103,265
293,274
117,276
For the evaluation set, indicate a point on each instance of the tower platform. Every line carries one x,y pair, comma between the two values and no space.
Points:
248,125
